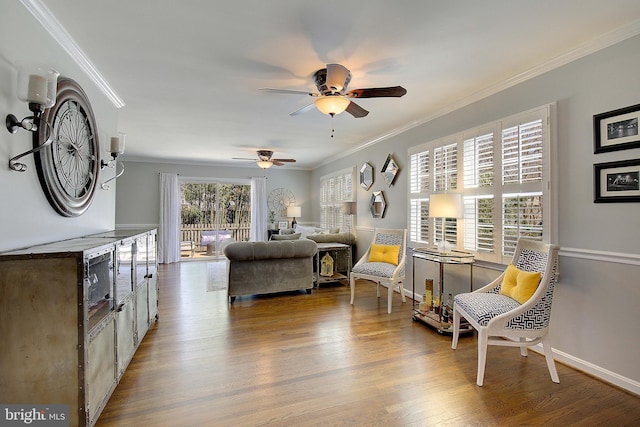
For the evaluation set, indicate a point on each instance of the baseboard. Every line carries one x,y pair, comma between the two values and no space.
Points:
593,370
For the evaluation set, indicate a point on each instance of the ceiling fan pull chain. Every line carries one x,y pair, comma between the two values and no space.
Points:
333,130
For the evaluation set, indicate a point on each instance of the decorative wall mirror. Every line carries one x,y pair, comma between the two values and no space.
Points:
377,204
366,176
390,170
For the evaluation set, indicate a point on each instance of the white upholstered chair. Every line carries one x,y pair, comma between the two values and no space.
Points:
384,274
501,320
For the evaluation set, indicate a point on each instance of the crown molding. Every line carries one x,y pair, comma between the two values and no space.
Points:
60,35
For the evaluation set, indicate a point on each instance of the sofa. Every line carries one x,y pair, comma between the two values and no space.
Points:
268,267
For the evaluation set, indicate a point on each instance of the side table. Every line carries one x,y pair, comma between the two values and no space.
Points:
432,318
334,250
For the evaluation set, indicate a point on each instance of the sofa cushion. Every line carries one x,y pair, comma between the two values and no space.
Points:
295,236
249,251
343,238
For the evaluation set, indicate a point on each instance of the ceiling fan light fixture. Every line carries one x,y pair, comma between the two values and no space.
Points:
332,104
264,164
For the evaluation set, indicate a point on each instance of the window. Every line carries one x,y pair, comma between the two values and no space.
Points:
334,190
503,175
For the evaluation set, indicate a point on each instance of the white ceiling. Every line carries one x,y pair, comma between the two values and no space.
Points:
189,71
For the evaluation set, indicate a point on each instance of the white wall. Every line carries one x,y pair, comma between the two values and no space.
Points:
25,215
595,315
138,196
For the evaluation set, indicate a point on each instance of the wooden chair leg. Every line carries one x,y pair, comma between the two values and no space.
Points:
483,340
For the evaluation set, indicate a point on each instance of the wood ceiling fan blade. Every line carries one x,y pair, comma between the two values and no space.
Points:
338,77
276,162
290,92
356,111
378,92
284,160
303,110
243,158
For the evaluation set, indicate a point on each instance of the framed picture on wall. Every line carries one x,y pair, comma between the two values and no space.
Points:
283,225
617,181
616,130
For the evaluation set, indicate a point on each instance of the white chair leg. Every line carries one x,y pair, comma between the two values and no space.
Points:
456,328
401,288
523,348
548,354
352,284
389,297
483,340
378,289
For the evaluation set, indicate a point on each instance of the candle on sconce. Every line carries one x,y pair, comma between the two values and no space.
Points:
117,144
37,90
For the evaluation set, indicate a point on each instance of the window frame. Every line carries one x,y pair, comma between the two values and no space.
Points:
416,193
331,200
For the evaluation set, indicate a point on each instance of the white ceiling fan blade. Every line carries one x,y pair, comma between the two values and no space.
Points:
303,110
338,77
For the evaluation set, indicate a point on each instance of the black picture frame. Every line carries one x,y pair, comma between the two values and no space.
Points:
616,130
617,182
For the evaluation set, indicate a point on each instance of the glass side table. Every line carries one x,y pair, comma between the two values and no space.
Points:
431,318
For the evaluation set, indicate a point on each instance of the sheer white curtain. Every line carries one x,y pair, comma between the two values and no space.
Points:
258,209
169,231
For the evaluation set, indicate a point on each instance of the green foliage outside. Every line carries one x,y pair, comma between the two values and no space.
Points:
202,202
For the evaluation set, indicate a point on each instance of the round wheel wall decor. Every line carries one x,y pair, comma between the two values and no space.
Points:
279,199
68,168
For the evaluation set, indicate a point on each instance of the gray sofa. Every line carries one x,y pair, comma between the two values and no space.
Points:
269,267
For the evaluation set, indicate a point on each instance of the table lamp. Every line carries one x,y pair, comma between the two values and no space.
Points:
294,212
448,205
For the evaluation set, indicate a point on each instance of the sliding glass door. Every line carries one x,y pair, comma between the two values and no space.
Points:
213,214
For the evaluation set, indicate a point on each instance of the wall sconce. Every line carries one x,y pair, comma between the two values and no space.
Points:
37,86
116,148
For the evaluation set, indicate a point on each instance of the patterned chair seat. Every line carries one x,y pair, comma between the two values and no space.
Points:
483,307
379,269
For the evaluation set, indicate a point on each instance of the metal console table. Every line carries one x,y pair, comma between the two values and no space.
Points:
431,318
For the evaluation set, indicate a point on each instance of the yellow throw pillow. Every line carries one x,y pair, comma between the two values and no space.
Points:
519,284
384,253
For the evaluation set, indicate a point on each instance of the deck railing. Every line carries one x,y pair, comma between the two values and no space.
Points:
193,232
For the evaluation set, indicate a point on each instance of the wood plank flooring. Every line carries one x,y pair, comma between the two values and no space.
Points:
314,360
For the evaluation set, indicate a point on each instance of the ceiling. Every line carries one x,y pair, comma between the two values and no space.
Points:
190,71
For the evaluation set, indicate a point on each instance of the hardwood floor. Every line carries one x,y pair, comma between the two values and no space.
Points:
314,360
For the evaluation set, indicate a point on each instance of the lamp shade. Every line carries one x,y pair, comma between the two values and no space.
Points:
332,104
294,211
445,205
349,208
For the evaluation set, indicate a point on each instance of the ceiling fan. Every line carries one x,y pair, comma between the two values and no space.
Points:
265,160
333,98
